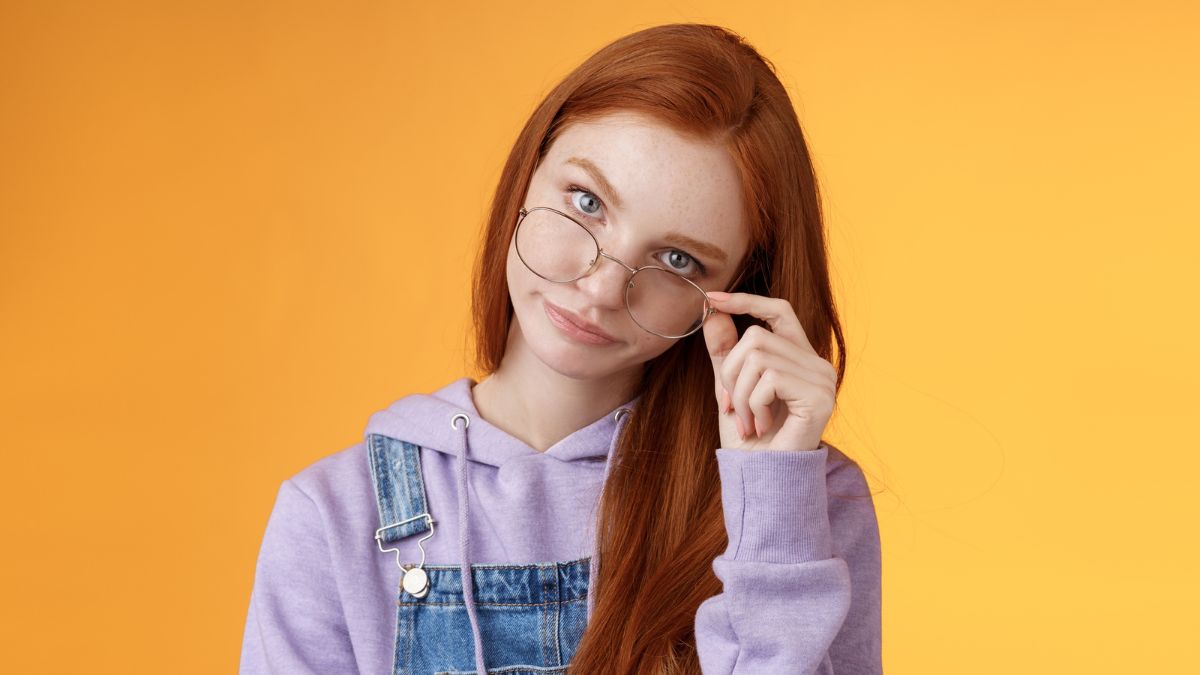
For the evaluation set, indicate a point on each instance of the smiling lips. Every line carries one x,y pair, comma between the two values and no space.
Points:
577,328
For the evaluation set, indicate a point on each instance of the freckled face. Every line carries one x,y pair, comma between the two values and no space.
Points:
644,191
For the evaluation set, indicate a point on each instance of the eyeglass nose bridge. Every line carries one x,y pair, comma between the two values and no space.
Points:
602,253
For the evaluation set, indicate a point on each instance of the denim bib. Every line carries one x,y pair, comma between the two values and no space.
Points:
531,616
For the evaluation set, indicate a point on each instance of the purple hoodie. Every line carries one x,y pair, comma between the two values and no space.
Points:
801,573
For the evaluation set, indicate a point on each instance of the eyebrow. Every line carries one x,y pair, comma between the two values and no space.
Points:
701,247
677,238
594,171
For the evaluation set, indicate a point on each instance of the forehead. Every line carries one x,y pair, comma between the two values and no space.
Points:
666,180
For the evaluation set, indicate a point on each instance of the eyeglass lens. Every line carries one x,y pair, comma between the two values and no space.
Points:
557,248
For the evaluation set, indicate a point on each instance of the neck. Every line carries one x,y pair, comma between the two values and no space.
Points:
540,406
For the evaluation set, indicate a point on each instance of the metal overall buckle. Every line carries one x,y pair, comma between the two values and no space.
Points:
415,581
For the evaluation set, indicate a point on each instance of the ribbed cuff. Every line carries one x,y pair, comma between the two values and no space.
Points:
775,503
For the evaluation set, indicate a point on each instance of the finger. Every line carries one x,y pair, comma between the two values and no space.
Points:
774,386
757,338
756,415
804,397
777,312
764,396
720,337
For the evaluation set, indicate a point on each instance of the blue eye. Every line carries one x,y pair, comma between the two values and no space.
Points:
679,261
588,205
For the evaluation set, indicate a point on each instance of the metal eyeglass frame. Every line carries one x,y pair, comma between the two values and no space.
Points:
600,252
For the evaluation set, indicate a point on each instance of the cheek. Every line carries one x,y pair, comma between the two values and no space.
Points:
649,346
513,269
522,284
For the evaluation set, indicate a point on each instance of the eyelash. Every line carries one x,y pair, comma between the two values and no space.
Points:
701,270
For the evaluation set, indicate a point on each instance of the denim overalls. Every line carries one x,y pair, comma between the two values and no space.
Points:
528,618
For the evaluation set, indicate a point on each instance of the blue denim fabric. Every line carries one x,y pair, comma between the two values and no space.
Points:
531,616
399,487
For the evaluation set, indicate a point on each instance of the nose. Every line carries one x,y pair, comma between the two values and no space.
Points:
605,285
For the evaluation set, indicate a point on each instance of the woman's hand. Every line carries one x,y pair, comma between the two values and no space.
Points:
774,390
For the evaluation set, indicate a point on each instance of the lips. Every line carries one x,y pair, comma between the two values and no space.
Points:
578,322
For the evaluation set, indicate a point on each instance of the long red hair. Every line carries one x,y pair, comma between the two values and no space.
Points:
660,521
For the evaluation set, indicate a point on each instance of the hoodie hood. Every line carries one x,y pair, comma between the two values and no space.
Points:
448,422
424,419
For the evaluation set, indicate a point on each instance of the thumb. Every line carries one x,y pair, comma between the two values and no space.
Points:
720,336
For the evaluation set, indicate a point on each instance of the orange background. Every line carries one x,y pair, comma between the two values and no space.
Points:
233,230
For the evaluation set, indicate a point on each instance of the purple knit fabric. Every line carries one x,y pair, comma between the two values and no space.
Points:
801,573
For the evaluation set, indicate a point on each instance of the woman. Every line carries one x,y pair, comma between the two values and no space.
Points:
639,483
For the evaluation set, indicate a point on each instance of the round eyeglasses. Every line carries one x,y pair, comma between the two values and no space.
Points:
558,248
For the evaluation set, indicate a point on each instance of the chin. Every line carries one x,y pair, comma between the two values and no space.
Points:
561,354
573,360
584,362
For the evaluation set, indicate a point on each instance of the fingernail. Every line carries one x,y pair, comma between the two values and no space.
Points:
724,401
718,295
740,428
757,429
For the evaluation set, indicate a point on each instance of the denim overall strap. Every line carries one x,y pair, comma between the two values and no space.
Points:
399,488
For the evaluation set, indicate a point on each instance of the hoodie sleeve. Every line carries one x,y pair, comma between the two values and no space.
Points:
801,573
295,623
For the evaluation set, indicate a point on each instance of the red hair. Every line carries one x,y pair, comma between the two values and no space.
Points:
660,521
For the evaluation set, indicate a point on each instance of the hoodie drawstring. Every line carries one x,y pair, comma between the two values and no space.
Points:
468,583
621,416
